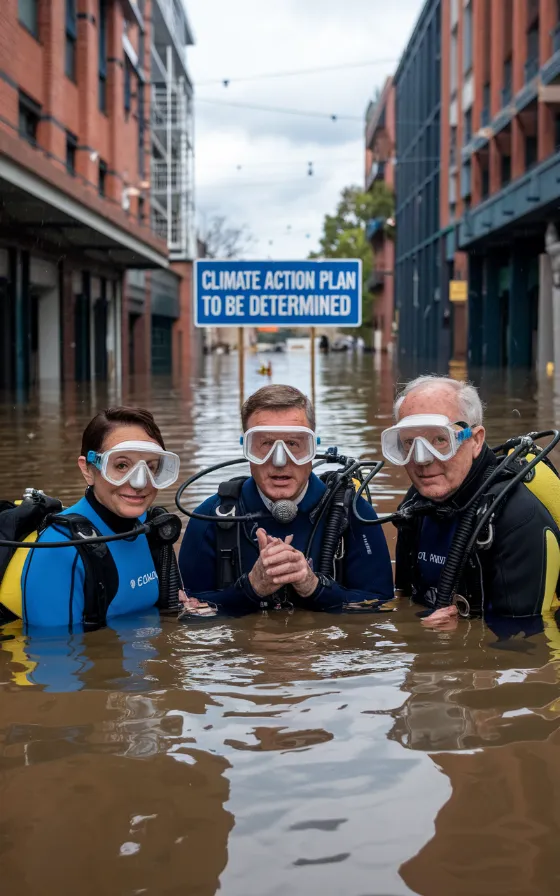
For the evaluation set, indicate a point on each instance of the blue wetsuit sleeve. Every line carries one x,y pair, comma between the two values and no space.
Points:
198,566
368,574
52,584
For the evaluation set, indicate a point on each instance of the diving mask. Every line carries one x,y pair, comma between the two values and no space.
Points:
297,443
423,438
136,463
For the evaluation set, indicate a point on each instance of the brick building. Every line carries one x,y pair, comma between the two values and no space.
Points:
380,166
503,59
75,182
488,90
160,328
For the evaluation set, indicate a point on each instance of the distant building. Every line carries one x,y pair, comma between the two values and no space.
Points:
421,278
380,161
74,193
478,183
161,336
501,171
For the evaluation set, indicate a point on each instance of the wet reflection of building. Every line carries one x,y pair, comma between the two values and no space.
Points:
494,704
101,791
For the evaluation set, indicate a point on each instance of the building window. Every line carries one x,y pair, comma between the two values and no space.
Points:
71,144
467,38
485,183
71,37
102,50
102,177
466,180
531,152
127,88
141,209
506,82
453,146
506,170
29,117
453,64
532,63
28,15
467,126
485,113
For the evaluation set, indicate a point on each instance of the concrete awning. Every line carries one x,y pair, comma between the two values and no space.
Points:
60,212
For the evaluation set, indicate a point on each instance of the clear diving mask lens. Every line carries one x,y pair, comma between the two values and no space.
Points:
298,444
423,438
137,463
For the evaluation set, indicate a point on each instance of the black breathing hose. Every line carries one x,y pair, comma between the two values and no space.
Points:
465,540
333,530
458,553
169,580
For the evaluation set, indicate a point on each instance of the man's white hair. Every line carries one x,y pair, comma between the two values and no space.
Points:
470,405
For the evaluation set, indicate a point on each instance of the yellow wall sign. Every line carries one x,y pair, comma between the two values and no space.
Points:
458,290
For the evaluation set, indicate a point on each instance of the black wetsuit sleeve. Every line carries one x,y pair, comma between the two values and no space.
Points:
515,568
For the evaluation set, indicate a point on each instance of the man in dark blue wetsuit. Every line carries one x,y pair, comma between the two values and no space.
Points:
273,563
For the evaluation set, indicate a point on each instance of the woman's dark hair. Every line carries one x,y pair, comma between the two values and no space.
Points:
106,421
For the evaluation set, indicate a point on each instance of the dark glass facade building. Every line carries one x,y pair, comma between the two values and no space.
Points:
420,275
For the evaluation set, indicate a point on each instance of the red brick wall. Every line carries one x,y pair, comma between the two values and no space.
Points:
37,68
183,328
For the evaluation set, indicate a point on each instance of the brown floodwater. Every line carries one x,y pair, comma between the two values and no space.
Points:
275,754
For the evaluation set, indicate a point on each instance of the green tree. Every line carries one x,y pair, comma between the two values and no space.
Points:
344,236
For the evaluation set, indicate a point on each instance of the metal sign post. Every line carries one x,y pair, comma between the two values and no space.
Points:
241,363
312,332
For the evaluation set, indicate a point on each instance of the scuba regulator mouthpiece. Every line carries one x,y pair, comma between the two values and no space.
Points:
284,511
166,527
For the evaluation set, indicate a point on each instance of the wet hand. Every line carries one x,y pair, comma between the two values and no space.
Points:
285,565
190,602
260,581
445,619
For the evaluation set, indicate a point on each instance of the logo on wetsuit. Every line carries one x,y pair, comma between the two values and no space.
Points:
143,580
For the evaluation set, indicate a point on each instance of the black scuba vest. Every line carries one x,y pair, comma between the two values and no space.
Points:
470,584
228,537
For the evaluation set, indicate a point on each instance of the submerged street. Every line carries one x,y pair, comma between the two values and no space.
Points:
283,753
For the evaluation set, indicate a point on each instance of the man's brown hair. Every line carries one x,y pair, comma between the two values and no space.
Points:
277,398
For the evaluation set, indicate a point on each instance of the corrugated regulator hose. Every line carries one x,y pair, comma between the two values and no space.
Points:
333,531
458,554
169,579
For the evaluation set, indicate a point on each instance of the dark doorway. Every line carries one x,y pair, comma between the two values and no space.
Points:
82,331
100,333
7,335
162,344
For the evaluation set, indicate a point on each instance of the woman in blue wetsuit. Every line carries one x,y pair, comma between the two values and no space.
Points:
124,462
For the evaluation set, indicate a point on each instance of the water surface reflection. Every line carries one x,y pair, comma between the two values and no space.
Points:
281,753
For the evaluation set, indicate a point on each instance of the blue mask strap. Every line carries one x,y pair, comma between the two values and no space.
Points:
94,458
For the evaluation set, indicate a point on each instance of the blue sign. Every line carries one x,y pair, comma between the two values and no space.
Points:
278,293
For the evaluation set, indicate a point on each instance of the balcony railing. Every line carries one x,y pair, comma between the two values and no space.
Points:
506,95
531,68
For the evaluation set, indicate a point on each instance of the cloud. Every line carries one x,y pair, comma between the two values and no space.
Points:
272,192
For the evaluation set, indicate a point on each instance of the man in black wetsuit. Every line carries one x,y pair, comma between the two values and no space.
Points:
440,439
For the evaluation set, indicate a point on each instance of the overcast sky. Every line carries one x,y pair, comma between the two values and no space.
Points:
271,192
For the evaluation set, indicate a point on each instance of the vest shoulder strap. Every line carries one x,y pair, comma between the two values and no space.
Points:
228,537
101,577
